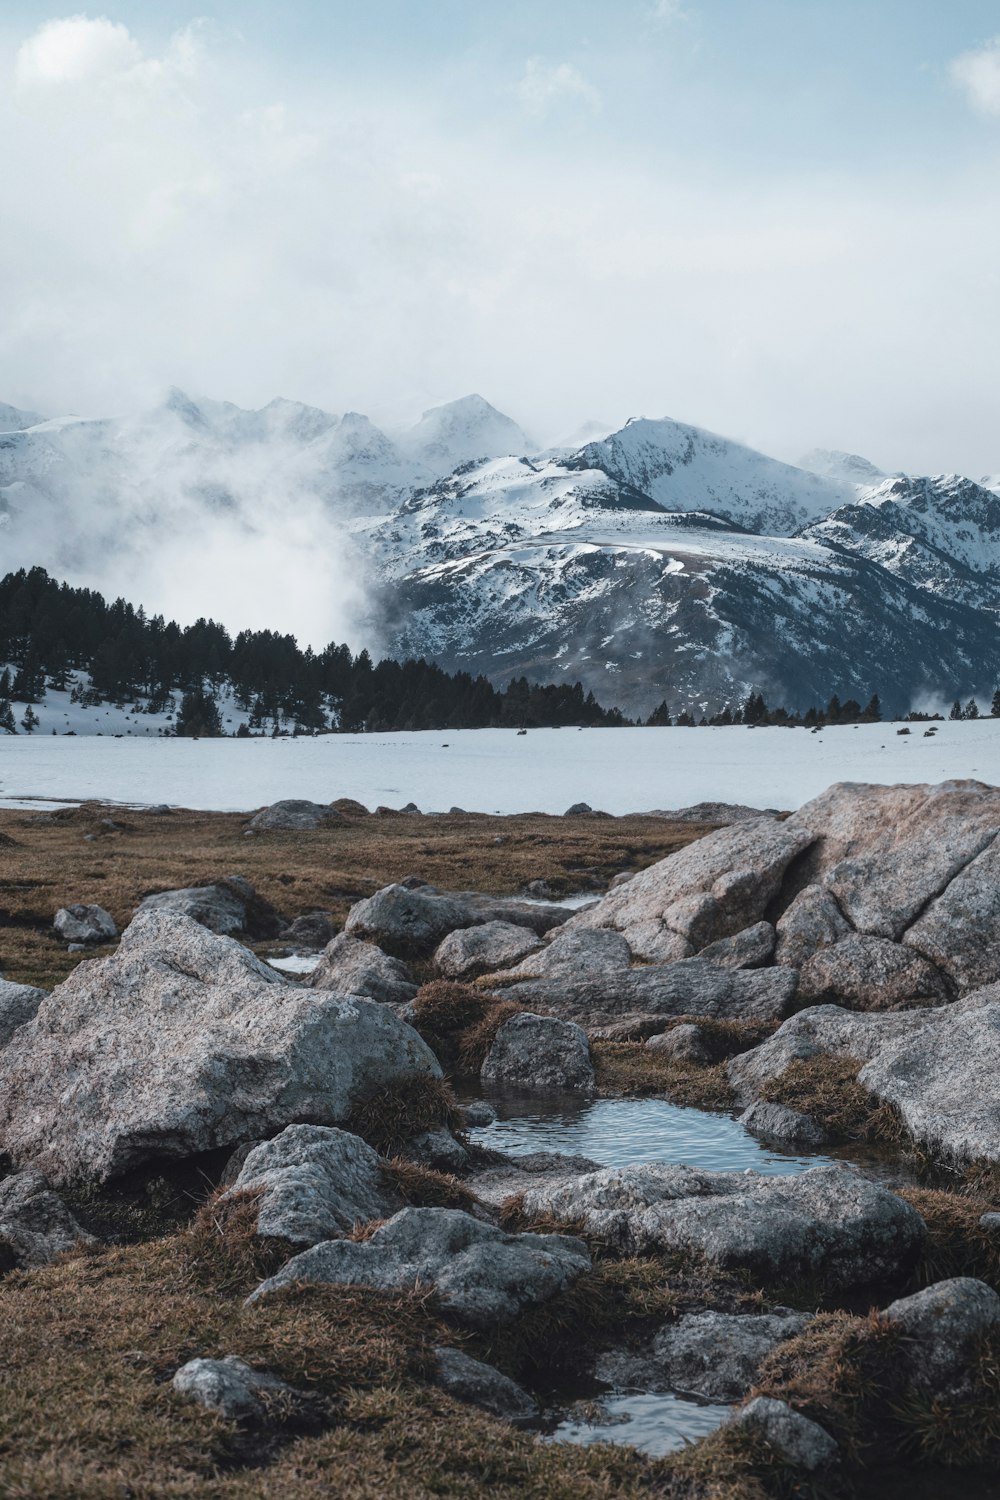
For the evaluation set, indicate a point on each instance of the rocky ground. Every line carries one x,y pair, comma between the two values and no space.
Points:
249,1248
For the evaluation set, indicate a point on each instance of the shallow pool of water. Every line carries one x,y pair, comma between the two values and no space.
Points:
657,1424
626,1132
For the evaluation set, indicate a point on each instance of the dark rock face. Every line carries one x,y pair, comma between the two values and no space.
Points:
715,1355
411,923
183,1042
312,930
686,1042
293,813
479,1384
540,1052
85,924
480,1275
352,967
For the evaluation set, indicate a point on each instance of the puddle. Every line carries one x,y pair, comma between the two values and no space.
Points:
627,1132
656,1424
296,963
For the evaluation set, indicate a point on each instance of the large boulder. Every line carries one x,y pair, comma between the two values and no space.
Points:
411,922
715,1355
828,1225
18,1003
569,954
689,987
224,907
183,1042
796,1439
539,1052
749,949
293,813
35,1222
479,1274
353,967
85,924
314,1182
709,890
471,951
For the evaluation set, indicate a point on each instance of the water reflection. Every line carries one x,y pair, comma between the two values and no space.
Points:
626,1132
656,1424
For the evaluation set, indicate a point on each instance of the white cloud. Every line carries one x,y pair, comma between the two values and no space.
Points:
664,12
75,50
545,84
977,73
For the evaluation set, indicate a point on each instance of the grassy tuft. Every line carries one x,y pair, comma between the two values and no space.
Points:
956,1245
393,1115
422,1187
222,1249
475,1043
636,1071
827,1089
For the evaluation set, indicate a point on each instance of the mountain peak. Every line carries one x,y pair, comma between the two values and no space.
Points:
462,430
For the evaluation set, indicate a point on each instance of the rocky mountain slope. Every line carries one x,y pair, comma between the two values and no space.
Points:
656,561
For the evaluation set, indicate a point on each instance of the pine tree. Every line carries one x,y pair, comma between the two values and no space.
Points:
30,721
956,710
971,710
199,716
994,706
873,713
7,717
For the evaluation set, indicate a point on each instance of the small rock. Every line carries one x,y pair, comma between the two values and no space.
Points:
315,1182
773,1122
540,1052
76,947
799,1441
410,923
222,908
471,1380
480,1275
749,949
990,1221
471,951
293,813
229,1386
578,810
942,1324
85,924
411,807
349,808
685,1042
438,1149
480,1113
716,1355
18,1003
312,930
36,1221
352,967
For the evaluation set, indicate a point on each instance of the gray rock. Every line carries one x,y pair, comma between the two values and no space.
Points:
438,1149
685,1042
812,921
471,1380
943,1323
313,929
471,951
221,908
479,1113
715,1355
960,930
827,1224
18,1003
689,987
578,810
182,1042
85,924
990,1221
569,954
480,1275
35,1221
869,973
411,923
799,1441
709,890
720,813
536,1169
315,1182
230,1387
749,949
789,1127
293,812
539,1052
352,967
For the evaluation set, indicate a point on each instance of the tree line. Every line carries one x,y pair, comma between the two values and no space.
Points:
51,634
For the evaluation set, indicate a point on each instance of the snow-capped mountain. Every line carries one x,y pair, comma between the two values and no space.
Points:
13,419
655,561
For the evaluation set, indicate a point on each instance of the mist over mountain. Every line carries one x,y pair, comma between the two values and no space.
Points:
658,561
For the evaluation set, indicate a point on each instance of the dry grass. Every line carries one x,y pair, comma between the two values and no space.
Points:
956,1245
423,1187
827,1089
51,863
630,1069
393,1115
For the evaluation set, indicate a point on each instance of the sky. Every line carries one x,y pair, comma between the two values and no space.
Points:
777,219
